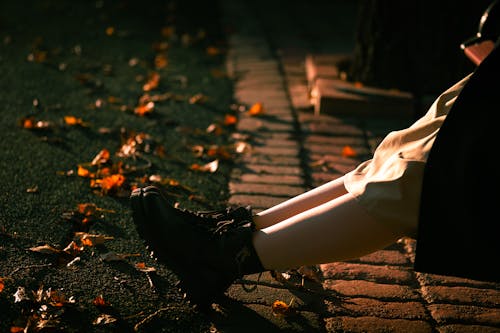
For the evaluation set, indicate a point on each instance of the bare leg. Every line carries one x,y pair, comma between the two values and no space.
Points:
300,203
337,230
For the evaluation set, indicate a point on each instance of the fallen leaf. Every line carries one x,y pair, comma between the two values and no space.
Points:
209,167
2,284
45,249
161,61
256,109
144,109
20,295
16,329
99,301
92,239
280,308
143,268
230,119
83,172
348,151
104,319
112,183
152,82
110,31
241,147
214,128
112,256
74,121
197,99
33,189
101,157
213,51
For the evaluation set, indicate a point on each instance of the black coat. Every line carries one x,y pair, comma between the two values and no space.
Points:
459,218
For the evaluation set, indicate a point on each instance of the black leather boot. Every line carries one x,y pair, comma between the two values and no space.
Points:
207,250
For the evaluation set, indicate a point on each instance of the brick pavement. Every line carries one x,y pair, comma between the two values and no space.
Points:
293,150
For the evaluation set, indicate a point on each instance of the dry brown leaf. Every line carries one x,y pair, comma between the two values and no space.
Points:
104,319
112,256
99,301
45,249
92,239
143,268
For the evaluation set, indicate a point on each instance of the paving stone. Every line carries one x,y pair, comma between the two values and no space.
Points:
463,295
272,169
376,325
336,149
271,179
277,190
363,288
276,151
271,160
437,280
351,271
388,257
457,328
340,129
445,314
276,141
360,307
258,124
258,202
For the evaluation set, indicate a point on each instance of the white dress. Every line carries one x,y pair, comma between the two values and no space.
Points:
389,184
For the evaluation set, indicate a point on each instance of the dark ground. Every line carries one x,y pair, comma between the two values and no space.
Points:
60,58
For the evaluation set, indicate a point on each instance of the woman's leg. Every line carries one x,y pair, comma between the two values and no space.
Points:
337,230
300,203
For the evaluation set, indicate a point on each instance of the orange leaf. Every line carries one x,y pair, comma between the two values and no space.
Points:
110,31
168,31
102,157
82,172
112,182
73,121
2,285
348,151
152,83
230,119
16,329
256,109
209,167
213,51
161,61
280,308
99,301
144,109
86,209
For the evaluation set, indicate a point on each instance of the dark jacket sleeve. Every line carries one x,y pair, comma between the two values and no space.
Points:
459,217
